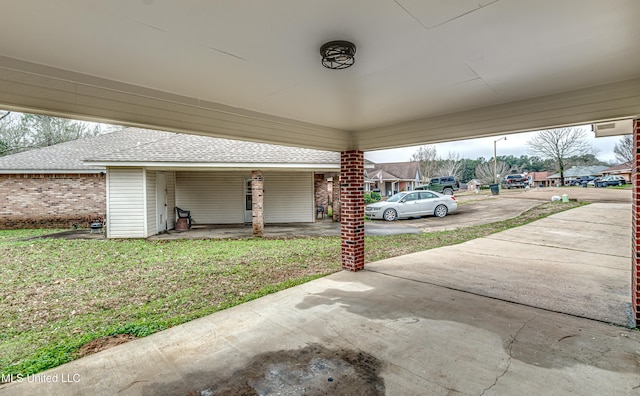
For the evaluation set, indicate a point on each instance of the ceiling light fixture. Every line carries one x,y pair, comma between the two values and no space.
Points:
337,54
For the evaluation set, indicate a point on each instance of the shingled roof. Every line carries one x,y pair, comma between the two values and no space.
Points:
398,170
69,157
183,148
148,146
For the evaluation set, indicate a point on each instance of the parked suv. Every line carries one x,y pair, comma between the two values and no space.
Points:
442,184
610,181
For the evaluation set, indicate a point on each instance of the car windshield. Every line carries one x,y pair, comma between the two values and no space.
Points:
397,197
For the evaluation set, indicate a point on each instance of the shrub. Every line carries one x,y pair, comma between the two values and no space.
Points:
371,197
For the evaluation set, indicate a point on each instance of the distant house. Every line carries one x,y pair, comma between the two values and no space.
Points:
392,177
539,179
575,171
623,170
136,177
474,184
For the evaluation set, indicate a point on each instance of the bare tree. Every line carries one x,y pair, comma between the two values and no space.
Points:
428,161
484,171
624,149
559,145
20,132
450,166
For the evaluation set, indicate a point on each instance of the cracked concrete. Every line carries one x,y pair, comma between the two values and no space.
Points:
400,331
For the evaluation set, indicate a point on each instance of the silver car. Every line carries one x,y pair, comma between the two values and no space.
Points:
412,204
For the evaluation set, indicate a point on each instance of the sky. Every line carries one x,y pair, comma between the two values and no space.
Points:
515,144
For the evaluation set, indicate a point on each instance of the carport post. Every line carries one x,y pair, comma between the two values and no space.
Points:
257,197
352,209
635,242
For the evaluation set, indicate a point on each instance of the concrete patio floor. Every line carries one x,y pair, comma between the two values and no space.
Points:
456,320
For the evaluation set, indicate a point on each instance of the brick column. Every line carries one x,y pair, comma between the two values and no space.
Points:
335,198
352,209
257,198
635,242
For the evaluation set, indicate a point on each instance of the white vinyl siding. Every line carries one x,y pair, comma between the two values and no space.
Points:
171,200
125,203
152,227
212,197
288,197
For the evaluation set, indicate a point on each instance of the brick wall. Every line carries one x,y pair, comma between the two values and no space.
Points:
335,196
51,201
352,209
635,243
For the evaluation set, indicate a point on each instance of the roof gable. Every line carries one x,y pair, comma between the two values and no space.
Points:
400,170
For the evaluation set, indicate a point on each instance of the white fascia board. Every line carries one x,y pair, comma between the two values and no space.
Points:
220,166
50,171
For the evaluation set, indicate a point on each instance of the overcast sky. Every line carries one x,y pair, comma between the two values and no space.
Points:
515,145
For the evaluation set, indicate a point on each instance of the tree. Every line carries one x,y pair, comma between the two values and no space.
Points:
20,132
624,149
559,145
450,166
484,171
428,161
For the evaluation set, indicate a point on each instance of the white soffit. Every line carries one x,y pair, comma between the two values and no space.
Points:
613,128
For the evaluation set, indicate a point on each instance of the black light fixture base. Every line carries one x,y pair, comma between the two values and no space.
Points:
338,54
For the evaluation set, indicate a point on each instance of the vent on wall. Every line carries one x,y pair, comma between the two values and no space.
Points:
613,128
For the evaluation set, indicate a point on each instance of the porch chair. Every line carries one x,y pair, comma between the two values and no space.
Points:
184,214
319,210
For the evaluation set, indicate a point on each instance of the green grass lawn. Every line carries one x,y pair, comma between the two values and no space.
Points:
56,295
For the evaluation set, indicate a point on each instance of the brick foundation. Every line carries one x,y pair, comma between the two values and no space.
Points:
51,200
635,242
352,209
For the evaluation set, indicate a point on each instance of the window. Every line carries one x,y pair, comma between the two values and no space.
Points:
426,195
411,197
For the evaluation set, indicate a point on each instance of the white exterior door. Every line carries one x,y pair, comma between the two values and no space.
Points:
161,201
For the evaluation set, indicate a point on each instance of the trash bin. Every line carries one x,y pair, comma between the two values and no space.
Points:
565,198
495,188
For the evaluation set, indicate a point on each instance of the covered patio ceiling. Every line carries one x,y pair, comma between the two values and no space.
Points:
425,71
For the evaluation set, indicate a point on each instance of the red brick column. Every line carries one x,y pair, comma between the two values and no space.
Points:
257,199
635,242
352,209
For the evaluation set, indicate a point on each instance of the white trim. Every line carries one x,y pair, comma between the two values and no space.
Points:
145,217
108,212
218,165
51,171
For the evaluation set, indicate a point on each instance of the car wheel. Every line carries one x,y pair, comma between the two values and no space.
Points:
447,191
390,215
441,211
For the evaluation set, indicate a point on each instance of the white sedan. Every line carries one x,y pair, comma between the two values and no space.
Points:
412,204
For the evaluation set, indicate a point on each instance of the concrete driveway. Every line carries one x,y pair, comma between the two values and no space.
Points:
467,319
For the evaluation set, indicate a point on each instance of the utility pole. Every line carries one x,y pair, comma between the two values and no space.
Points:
495,160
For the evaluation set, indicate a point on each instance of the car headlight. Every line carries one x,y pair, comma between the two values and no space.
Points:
371,208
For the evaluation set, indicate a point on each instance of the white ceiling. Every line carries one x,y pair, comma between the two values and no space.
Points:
415,60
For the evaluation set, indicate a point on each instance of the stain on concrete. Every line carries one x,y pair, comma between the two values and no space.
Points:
312,370
537,344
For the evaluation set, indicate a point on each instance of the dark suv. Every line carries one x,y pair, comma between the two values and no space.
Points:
442,184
